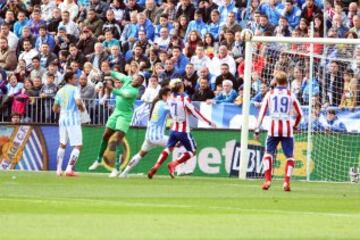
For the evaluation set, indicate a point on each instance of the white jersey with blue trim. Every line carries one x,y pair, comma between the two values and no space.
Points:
69,113
156,126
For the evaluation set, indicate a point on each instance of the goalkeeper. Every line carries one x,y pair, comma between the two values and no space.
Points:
119,121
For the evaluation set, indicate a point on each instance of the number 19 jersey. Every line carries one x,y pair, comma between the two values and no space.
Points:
280,104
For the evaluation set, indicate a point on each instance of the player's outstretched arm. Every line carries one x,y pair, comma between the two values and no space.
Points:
196,113
121,77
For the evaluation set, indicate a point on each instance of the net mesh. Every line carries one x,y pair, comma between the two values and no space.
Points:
335,113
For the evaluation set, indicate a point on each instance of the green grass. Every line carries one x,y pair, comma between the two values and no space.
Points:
43,206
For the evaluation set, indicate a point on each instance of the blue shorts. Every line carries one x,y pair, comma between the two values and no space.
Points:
184,138
287,144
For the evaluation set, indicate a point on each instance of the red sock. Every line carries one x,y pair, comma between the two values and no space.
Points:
267,161
290,164
183,158
163,156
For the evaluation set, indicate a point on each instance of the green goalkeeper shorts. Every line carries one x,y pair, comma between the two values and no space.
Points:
118,122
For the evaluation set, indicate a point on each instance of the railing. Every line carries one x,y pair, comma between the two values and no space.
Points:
39,111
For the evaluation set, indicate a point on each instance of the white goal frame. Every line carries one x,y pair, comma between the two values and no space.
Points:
247,89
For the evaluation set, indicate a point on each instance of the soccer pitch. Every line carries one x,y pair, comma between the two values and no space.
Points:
43,206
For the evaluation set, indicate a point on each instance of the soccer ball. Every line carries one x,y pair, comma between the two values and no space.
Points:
246,35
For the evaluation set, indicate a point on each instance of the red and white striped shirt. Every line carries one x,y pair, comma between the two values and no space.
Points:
280,103
180,109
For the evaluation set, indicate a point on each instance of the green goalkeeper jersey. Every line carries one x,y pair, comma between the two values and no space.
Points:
125,96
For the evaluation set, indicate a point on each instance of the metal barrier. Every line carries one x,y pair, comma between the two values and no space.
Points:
39,111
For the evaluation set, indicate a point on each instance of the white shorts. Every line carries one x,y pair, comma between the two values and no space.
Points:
148,145
73,134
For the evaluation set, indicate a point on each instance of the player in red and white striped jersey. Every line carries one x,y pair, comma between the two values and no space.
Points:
280,104
180,109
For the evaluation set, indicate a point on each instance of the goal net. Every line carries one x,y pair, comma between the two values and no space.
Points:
325,77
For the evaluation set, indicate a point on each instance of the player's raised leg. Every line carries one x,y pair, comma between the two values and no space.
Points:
103,145
188,142
162,158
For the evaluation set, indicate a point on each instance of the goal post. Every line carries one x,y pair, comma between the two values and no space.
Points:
345,146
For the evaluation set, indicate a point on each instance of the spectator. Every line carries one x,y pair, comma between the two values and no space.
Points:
87,42
238,50
333,123
257,99
264,28
71,7
310,10
98,56
229,39
47,8
28,54
35,22
296,81
139,57
210,45
75,55
226,75
46,56
200,60
118,7
116,58
68,25
333,84
100,8
189,79
44,37
227,95
353,11
110,41
145,25
21,72
111,24
8,59
37,86
53,70
223,57
10,36
169,73
163,41
54,21
180,27
213,26
339,26
153,12
20,24
63,40
192,42
196,25
253,23
87,91
225,8
93,22
131,7
207,7
203,93
356,24
163,23
231,23
152,90
185,8
37,70
13,87
129,33
348,99
269,9
239,99
305,89
47,94
292,13
179,59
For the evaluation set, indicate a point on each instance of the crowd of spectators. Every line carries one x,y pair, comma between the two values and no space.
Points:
196,40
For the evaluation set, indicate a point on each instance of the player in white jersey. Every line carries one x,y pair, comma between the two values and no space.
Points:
280,104
155,132
180,109
69,104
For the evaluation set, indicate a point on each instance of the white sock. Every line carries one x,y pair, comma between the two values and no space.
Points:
73,159
60,158
133,162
